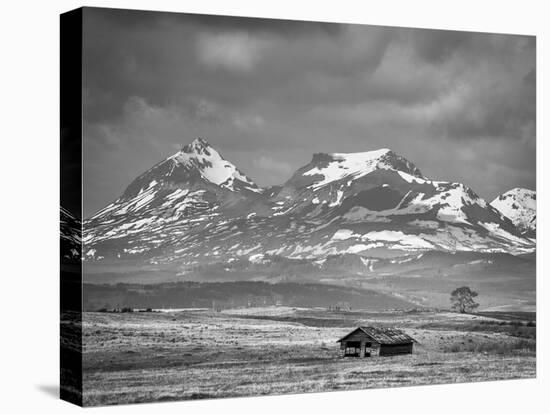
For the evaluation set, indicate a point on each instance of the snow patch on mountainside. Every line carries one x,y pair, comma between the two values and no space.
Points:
343,234
397,239
404,240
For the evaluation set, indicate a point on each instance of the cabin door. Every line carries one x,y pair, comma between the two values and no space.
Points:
368,349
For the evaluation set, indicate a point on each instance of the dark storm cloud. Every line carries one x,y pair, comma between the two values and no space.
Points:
269,93
436,46
163,55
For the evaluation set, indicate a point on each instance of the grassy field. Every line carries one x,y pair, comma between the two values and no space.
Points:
157,356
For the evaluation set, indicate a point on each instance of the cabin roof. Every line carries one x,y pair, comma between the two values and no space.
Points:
385,336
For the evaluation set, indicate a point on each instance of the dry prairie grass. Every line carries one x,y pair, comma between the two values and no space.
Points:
154,357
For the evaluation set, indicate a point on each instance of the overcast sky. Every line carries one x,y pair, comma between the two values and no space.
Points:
270,93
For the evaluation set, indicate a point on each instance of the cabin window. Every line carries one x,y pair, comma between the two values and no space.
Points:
352,349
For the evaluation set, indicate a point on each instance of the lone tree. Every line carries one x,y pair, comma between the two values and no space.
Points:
462,299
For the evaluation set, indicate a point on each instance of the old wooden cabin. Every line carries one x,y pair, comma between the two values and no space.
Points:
367,341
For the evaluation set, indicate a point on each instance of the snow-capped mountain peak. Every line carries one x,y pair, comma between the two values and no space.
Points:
200,156
327,168
196,177
520,206
199,146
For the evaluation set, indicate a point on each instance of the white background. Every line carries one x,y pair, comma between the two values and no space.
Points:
29,192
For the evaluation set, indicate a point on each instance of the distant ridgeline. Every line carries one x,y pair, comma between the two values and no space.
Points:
234,295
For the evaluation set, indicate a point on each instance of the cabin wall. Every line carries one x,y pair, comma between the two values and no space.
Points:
375,349
387,350
367,345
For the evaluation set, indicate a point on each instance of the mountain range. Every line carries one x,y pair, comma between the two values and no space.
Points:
196,208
